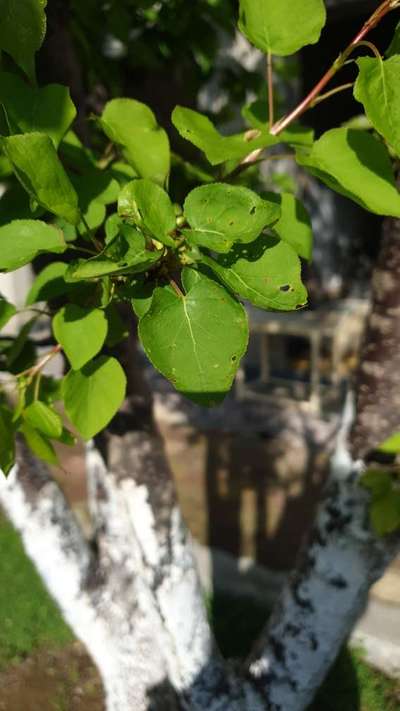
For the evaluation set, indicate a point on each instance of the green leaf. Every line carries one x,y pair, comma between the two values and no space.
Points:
281,27
266,272
112,227
141,296
117,329
378,89
47,110
22,240
200,131
95,185
133,126
127,253
22,31
385,513
49,284
75,154
93,395
94,216
39,444
44,419
394,47
196,340
391,445
80,332
149,206
41,173
7,440
377,481
220,215
356,165
294,226
15,205
7,311
21,354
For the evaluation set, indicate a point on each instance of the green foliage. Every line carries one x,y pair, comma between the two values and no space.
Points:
22,240
127,253
133,126
81,333
149,206
41,173
200,131
7,311
29,110
358,166
220,215
294,226
394,47
179,245
195,339
391,445
7,435
267,273
378,89
385,500
49,284
22,30
93,394
282,27
44,419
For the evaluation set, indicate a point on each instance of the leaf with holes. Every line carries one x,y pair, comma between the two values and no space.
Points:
266,272
378,89
145,145
196,339
80,332
281,26
93,395
41,173
220,215
356,165
149,206
200,131
125,254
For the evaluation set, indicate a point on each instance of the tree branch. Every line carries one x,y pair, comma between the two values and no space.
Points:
325,595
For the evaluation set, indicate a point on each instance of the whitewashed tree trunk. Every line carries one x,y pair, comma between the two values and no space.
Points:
132,595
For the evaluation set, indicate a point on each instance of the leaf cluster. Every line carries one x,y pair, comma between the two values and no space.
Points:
119,237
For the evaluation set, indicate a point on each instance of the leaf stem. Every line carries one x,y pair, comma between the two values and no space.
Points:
330,93
256,159
270,82
177,289
383,9
82,249
90,234
35,369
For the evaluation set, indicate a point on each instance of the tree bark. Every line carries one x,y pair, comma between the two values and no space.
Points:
343,556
